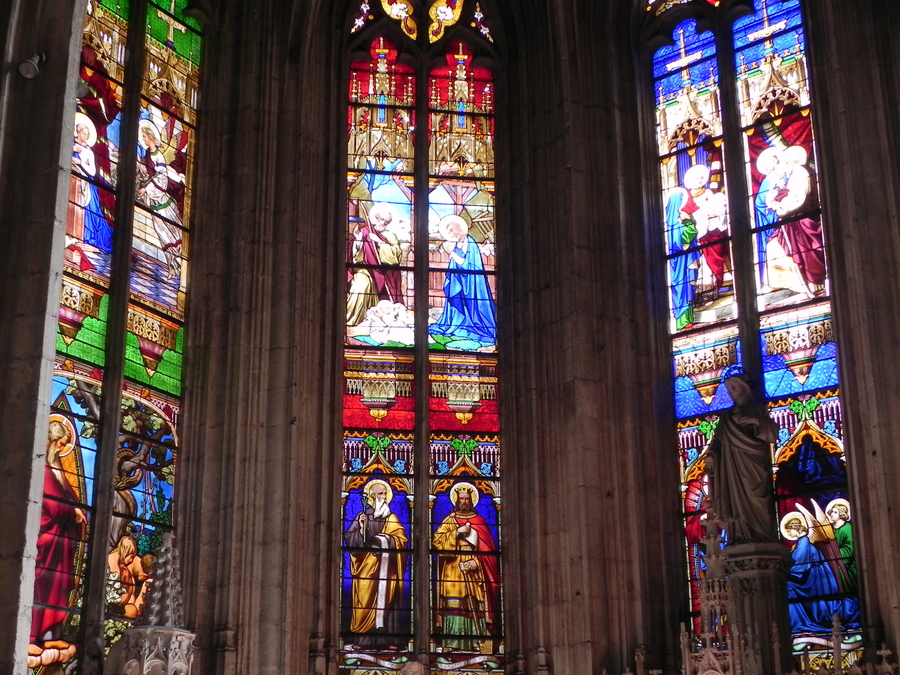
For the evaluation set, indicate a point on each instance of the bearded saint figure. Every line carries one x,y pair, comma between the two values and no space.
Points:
469,581
377,537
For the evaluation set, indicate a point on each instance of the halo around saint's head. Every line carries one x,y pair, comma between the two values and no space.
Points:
384,207
796,153
840,501
791,516
82,120
696,177
388,494
67,423
445,226
767,160
147,125
464,486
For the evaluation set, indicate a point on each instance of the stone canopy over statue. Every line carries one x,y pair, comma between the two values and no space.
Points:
739,465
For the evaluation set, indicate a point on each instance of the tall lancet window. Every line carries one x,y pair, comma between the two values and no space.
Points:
112,440
742,240
421,570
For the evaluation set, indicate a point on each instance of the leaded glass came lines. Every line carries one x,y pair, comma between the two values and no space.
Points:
140,447
779,253
421,456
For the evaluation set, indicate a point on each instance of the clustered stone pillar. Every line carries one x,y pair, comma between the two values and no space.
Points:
759,626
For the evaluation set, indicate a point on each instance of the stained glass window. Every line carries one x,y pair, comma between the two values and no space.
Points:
748,289
421,537
108,485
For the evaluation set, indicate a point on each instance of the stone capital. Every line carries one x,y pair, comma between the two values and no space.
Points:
751,559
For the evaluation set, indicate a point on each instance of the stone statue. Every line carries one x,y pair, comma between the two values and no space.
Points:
739,465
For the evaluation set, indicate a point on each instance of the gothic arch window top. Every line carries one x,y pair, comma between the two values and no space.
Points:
409,14
660,6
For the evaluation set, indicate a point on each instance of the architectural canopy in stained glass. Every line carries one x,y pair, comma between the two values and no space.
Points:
743,250
124,283
421,452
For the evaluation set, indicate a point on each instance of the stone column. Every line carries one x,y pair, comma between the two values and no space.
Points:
758,597
590,488
855,70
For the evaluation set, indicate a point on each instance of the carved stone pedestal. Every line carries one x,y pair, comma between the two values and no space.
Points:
161,647
759,624
152,650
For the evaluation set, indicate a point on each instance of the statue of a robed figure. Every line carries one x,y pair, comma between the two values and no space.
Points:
739,466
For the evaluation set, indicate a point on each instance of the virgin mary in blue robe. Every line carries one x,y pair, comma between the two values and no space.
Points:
469,313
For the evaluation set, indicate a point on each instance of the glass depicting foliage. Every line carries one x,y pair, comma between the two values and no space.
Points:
147,445
792,314
142,500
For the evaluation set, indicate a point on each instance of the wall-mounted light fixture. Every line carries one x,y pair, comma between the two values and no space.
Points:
30,68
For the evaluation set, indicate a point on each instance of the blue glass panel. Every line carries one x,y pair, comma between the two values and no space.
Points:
771,17
786,45
376,567
798,350
689,48
702,75
780,381
700,364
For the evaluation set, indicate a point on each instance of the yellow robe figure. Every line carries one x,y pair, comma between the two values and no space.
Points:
469,578
378,585
460,590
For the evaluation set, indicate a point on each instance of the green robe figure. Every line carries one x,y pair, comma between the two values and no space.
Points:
838,512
